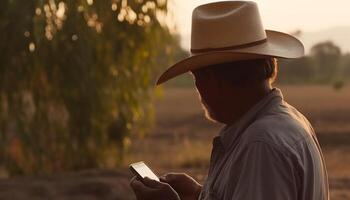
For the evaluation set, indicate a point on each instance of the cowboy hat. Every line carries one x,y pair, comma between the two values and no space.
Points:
230,31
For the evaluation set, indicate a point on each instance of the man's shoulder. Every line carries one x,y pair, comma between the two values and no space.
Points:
282,127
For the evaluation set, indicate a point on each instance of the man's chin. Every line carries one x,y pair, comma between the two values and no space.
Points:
210,117
209,114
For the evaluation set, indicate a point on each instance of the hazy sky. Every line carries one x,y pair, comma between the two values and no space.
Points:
282,15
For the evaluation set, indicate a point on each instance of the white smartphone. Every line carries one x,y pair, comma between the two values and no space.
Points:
141,170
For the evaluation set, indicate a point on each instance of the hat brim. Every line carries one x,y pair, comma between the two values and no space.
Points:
278,45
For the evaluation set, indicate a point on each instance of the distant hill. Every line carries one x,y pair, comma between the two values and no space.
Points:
338,35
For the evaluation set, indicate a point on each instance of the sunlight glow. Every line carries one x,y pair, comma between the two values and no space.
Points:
31,47
285,16
90,2
61,10
114,6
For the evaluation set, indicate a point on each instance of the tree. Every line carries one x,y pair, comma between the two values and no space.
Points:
296,71
345,66
75,80
326,56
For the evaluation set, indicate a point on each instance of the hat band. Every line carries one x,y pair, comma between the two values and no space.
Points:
230,47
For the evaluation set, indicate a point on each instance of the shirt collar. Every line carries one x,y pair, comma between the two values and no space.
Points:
230,132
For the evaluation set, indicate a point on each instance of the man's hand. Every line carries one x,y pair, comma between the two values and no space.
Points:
184,185
153,190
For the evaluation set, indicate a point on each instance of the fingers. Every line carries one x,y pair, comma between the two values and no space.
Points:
147,184
152,183
133,179
150,189
162,178
136,185
172,177
141,191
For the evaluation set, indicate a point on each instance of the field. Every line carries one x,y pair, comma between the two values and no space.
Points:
182,137
181,142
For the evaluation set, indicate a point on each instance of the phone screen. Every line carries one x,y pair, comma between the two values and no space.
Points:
143,170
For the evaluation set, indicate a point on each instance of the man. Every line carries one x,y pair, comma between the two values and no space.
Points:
267,149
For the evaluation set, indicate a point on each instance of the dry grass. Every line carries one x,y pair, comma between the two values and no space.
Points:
327,109
182,137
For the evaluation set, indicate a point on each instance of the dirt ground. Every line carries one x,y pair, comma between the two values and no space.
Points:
181,142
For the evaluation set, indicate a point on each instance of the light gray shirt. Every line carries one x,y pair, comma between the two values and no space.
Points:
271,153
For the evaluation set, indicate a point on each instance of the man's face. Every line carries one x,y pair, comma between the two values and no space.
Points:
209,92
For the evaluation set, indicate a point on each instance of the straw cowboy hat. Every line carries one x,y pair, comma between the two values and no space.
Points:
229,31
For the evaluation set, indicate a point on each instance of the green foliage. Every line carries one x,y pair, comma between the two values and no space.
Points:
76,78
324,65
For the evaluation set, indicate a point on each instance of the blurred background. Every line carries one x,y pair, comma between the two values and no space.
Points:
78,102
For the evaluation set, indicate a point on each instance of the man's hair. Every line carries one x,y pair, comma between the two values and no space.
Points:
246,72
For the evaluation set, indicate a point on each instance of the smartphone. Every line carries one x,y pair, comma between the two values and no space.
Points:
141,170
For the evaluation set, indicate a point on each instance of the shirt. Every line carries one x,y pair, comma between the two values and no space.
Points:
271,153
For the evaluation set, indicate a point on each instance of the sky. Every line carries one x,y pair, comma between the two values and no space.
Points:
281,15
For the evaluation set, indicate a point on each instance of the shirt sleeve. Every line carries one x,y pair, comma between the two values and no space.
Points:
263,173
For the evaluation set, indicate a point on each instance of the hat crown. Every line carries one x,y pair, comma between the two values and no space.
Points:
226,24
